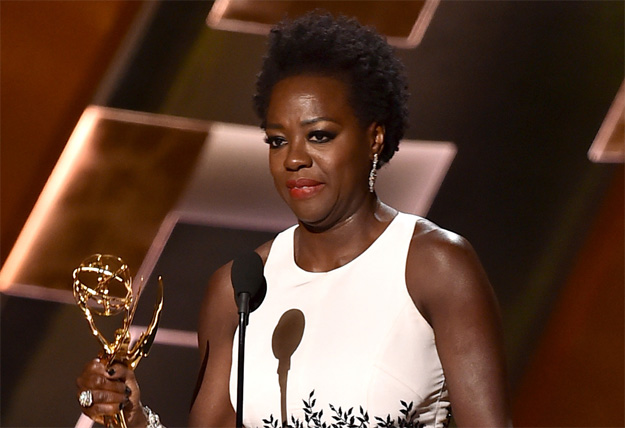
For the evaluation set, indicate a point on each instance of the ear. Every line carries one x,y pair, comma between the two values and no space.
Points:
376,133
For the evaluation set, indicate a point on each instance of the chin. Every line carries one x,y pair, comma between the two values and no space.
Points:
309,214
309,218
306,210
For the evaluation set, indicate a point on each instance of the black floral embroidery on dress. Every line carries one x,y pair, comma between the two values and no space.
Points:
348,418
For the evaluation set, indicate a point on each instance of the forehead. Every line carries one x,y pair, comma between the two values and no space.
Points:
309,94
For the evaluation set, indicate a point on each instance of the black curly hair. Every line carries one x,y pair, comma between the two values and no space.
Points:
340,47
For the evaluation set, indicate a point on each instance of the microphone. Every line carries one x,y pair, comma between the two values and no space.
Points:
250,288
248,282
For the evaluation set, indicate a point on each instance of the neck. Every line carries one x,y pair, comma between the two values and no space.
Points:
323,250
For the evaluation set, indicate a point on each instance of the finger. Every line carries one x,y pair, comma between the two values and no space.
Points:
118,371
106,403
96,365
88,371
93,367
107,396
116,399
96,382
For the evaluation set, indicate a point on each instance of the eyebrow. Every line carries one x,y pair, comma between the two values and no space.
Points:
302,123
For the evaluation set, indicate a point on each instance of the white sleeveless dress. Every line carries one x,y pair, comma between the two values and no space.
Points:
364,345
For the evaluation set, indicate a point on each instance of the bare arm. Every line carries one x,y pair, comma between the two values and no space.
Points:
218,322
449,286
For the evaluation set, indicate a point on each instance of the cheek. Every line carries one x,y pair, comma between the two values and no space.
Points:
273,163
352,166
275,167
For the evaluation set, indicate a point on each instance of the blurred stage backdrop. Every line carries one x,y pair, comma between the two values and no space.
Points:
127,128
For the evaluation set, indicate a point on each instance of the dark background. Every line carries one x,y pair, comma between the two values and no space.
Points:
520,87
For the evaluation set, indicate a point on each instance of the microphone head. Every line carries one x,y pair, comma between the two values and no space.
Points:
247,277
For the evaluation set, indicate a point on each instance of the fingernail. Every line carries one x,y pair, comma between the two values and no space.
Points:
128,391
111,371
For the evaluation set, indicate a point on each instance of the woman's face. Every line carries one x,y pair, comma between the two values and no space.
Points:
319,154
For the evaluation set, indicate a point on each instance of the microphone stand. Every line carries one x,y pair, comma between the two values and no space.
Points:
244,310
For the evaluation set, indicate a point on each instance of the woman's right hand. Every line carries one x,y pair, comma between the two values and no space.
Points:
113,388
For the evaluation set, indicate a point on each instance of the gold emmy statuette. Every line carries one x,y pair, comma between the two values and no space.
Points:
103,286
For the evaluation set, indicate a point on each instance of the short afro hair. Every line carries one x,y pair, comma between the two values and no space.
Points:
340,47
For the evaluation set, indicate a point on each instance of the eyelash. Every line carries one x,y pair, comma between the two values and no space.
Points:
318,137
324,136
275,142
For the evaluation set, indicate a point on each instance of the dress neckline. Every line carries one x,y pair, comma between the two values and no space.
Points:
346,265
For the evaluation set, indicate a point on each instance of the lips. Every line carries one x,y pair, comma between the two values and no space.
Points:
303,188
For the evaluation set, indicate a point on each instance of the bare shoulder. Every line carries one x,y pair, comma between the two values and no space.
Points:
428,236
437,251
219,302
263,250
220,280
442,266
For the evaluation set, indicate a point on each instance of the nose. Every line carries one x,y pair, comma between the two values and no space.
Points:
297,156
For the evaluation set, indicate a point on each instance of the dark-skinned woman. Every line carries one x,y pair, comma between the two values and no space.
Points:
395,319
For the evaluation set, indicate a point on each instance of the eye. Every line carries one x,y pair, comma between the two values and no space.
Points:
321,136
275,141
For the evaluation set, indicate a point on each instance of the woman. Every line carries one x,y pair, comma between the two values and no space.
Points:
395,317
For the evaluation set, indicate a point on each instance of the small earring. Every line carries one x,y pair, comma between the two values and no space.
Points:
373,174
